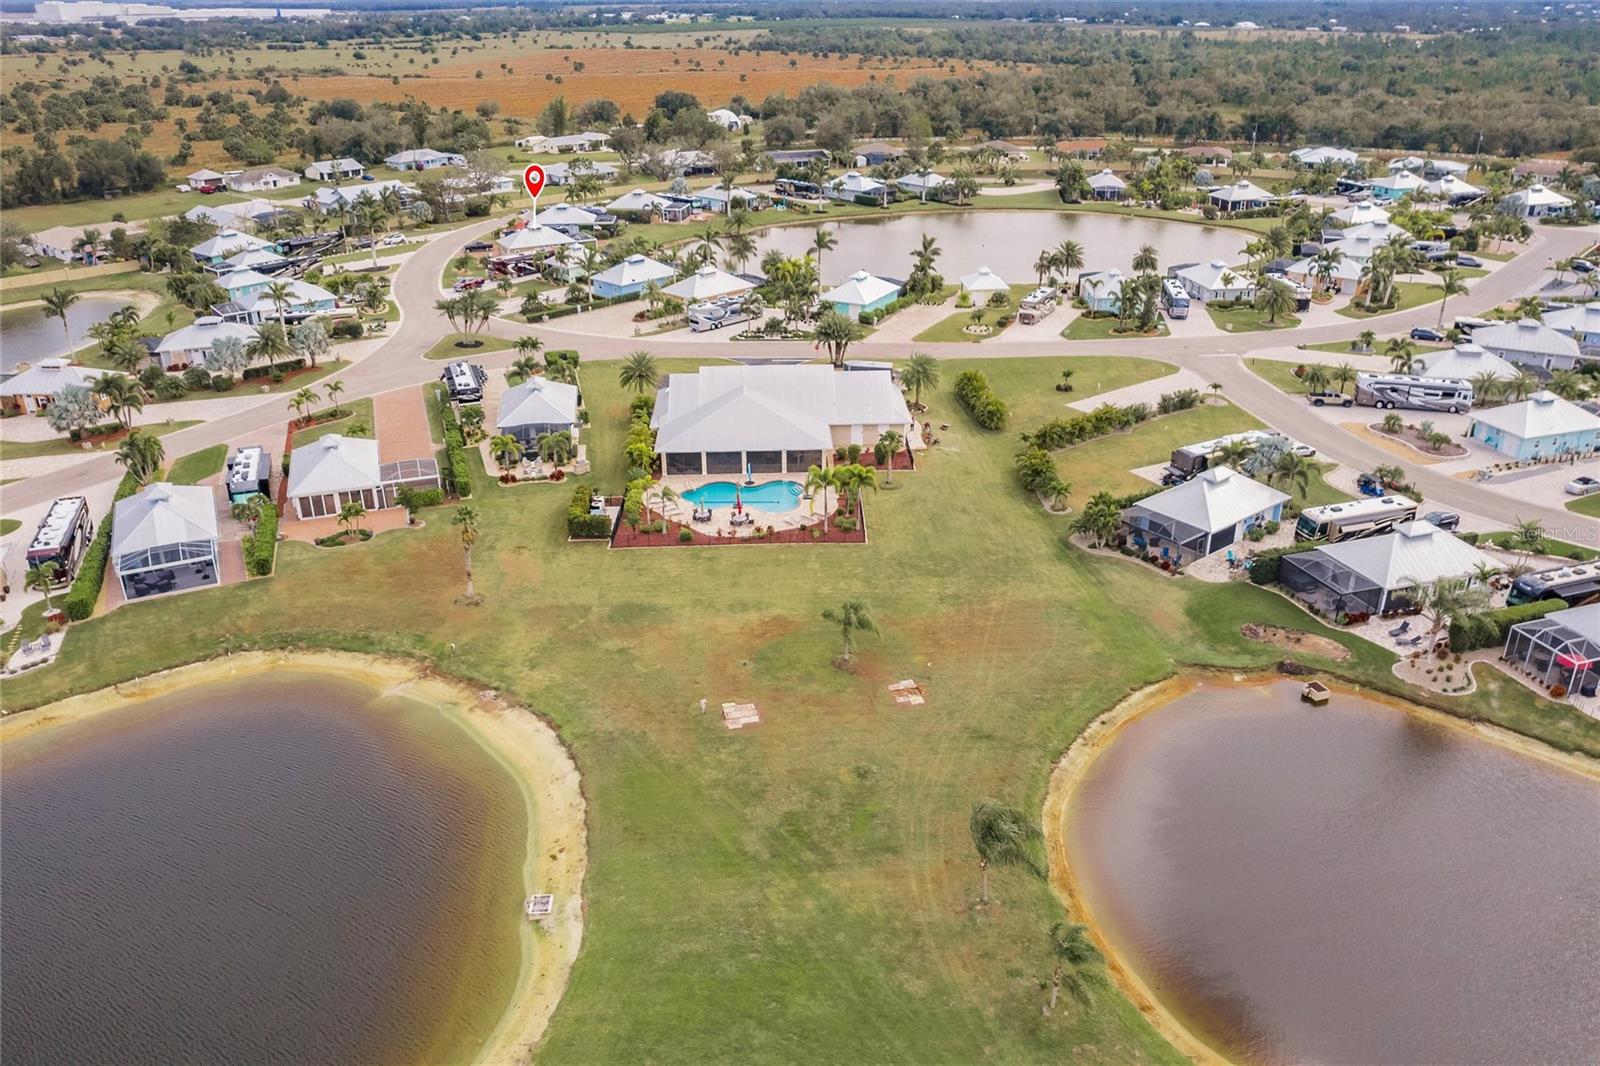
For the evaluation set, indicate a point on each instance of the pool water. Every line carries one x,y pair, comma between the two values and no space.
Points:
776,496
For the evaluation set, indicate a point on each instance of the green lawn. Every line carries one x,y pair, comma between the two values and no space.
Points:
1084,328
292,382
1248,320
102,283
10,449
1552,546
355,413
802,889
9,525
1338,347
1586,505
953,328
1412,294
195,467
449,347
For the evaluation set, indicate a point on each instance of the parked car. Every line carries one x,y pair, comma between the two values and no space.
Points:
1305,451
1583,266
1469,261
393,239
1322,399
1583,485
463,284
1358,196
478,246
1426,333
1443,519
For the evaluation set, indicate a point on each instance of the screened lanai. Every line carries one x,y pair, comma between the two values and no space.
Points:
1562,648
164,539
1331,587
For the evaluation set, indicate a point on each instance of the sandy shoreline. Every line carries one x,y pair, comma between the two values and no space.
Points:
1072,768
555,856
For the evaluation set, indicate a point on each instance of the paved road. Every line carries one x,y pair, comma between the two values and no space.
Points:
401,361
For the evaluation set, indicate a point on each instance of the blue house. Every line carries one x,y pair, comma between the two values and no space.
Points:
1101,292
862,292
1539,427
633,275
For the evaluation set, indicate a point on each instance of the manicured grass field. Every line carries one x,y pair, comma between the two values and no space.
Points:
1586,505
954,327
195,467
32,449
803,888
1248,319
1084,328
9,525
1412,294
449,347
1552,546
356,413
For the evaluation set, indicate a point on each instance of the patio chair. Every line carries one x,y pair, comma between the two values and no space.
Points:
1403,627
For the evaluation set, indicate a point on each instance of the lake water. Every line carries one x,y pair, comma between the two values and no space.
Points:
1005,241
27,336
284,869
1346,884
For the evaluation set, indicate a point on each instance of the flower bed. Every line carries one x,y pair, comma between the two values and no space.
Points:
671,535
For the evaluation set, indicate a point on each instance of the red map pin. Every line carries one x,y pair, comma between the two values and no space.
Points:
533,179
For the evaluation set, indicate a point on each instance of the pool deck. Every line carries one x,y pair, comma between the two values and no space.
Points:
682,511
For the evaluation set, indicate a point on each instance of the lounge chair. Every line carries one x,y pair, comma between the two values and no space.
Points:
1410,642
1402,628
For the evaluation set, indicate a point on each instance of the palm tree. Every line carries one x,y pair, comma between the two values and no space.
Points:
351,512
892,441
741,249
1401,353
1316,378
506,449
1485,386
1530,307
523,368
56,304
141,455
1520,387
1344,374
1146,261
1002,836
819,479
556,448
43,578
1275,298
1365,340
1074,956
1041,266
822,241
1068,257
1099,518
851,617
836,333
466,517
638,372
122,396
282,295
1293,469
303,398
270,344
1568,384
1235,452
334,389
920,372
1450,284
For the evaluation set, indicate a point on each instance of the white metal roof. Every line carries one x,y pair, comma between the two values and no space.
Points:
1537,195
1381,231
538,401
229,242
300,293
1357,214
760,408
1105,179
1241,191
1346,269
1218,499
1416,553
203,333
1316,156
333,463
861,288
1102,283
1544,414
161,514
234,280
48,377
1449,186
706,283
1584,620
984,280
635,270
637,200
1525,335
1215,276
565,215
853,181
532,238
1402,181
917,182
1467,361
1578,318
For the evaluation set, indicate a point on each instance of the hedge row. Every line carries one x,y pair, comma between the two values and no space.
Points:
560,310
1490,628
284,366
1060,433
458,475
261,546
1264,564
987,409
79,601
580,523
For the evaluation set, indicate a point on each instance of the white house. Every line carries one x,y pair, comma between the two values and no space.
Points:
1376,575
37,387
1345,277
1107,186
925,185
1203,515
1101,291
567,218
1413,163
853,185
1529,343
638,202
259,179
587,141
1384,232
1542,426
192,345
1536,201
731,121
164,538
1215,280
335,470
716,199
536,407
229,242
336,199
1357,249
1581,322
304,301
1437,168
58,242
424,159
534,140
1242,195
708,283
633,274
529,239
772,419
1452,190
1466,362
861,292
1360,214
342,169
256,259
206,180
983,281
232,216
1323,155
561,173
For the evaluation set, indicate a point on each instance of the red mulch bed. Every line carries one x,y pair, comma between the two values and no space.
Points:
902,460
627,537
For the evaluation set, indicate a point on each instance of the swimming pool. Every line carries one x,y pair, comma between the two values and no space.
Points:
773,496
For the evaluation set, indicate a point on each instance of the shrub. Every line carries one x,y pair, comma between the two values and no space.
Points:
1181,400
80,599
845,524
196,378
346,329
582,524
221,382
1485,630
987,409
1107,418
261,546
275,371
1264,565
458,474
685,536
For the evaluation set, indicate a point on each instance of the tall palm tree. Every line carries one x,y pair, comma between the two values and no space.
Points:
123,396
1146,261
141,455
1292,469
56,304
334,388
1075,961
1520,387
1485,386
43,578
1530,307
836,333
1450,284
506,449
281,293
1401,353
1068,257
851,617
892,440
1275,298
1041,266
1343,375
741,249
1316,378
639,372
822,241
1002,836
270,344
466,518
920,372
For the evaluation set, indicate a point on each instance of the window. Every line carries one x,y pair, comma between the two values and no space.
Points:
683,462
765,462
799,462
724,462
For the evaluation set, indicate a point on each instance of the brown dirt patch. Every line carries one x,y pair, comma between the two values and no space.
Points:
1295,640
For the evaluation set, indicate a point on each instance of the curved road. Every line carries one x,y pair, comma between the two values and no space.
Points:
400,361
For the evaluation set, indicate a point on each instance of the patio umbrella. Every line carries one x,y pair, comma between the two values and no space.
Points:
738,502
